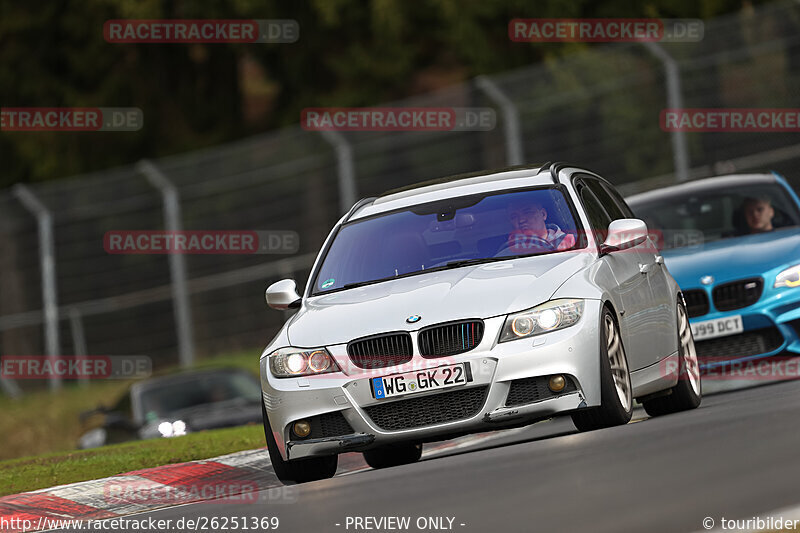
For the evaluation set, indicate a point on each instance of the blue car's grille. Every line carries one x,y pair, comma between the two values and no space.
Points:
737,294
450,339
696,302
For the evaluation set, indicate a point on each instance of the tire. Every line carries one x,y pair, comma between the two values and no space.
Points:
300,470
687,394
616,400
393,455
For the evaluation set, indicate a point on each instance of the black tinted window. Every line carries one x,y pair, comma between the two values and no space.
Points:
611,206
618,200
598,217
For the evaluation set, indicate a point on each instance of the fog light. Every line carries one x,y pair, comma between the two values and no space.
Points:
301,428
557,383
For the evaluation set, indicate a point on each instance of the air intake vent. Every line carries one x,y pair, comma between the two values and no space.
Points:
450,339
428,410
329,425
753,342
380,351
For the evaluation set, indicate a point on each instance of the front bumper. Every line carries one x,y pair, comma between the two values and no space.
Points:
771,326
344,402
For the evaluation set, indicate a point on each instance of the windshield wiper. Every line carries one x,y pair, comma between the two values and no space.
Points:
368,282
449,265
468,262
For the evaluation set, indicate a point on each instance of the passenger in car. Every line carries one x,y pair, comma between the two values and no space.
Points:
532,232
758,212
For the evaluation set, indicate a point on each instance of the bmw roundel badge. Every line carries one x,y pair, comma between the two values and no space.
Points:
413,318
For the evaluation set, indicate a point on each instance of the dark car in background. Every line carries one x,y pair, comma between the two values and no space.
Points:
174,405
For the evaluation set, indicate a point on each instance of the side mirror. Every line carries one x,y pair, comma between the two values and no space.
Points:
282,295
623,234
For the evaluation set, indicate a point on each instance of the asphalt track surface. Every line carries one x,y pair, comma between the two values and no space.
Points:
737,456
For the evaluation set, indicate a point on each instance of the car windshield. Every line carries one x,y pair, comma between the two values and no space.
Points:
710,215
447,234
161,400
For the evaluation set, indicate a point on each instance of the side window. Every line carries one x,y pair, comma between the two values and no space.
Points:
617,197
124,405
598,217
611,205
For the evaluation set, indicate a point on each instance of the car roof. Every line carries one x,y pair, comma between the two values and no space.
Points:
702,185
184,376
452,186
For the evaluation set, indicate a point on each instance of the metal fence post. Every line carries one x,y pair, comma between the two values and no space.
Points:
345,169
680,152
79,349
513,132
47,260
177,263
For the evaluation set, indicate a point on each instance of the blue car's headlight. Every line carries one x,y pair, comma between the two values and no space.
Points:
788,278
544,318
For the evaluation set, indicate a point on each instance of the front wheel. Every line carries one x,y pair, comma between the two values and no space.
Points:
301,470
616,400
687,394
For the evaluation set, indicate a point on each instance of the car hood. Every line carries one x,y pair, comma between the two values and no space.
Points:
734,258
479,291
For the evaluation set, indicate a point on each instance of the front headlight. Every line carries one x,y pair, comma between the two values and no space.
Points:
294,362
544,318
788,278
172,429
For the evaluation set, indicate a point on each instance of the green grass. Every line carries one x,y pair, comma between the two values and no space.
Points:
31,473
42,422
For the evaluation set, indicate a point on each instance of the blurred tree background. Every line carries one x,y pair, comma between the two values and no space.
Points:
350,53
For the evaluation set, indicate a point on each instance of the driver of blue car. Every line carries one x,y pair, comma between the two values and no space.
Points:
758,212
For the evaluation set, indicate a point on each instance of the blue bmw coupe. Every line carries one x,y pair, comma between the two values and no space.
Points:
733,245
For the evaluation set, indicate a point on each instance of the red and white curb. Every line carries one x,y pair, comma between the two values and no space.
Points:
227,476
241,477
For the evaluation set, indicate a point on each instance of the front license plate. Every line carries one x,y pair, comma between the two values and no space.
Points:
442,377
719,327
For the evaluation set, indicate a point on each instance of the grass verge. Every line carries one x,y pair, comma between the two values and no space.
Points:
42,422
31,473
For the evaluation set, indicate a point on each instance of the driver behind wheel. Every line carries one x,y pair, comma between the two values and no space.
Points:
531,231
758,212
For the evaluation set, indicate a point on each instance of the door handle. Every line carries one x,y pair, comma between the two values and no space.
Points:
645,268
